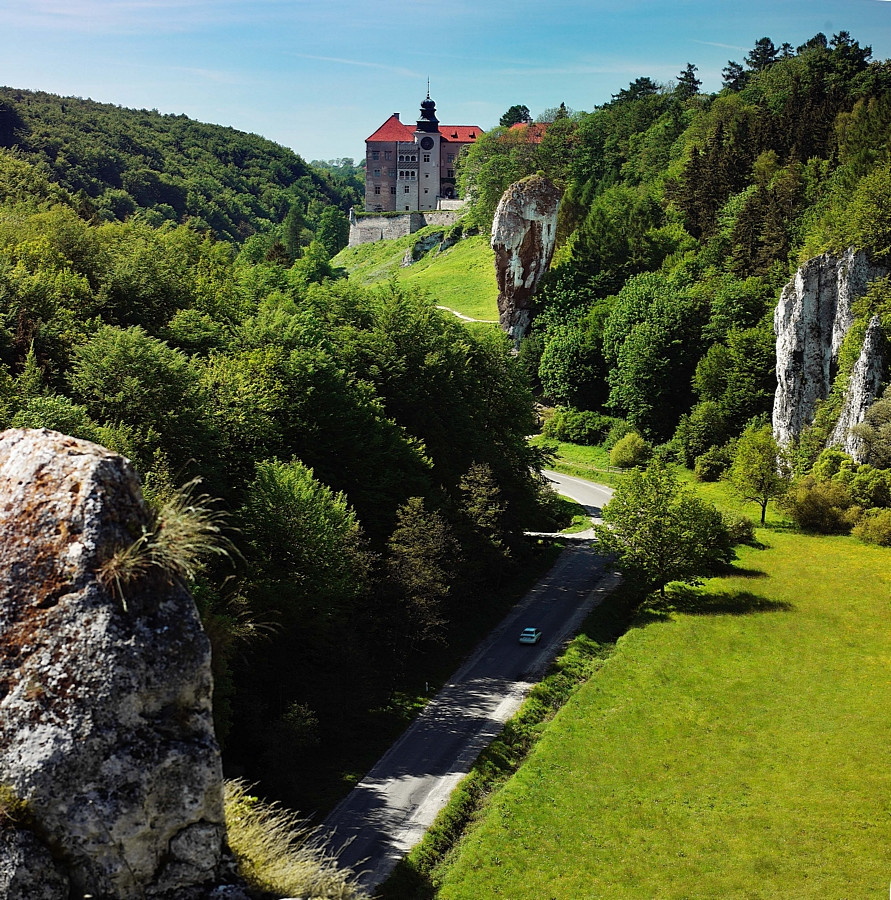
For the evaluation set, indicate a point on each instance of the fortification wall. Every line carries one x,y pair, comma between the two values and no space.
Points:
367,229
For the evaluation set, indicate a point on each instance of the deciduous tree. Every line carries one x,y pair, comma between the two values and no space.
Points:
660,532
759,472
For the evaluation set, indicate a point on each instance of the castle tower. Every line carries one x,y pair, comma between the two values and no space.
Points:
428,140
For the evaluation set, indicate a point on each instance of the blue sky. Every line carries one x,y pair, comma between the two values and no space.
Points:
320,75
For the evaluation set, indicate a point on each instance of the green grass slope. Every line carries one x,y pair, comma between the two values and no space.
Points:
462,278
734,745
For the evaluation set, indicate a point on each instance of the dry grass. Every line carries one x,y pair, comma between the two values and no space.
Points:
184,532
278,852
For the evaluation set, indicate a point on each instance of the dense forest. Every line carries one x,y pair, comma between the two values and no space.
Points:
116,162
683,215
367,454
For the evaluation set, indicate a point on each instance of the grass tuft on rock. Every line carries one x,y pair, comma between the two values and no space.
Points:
279,853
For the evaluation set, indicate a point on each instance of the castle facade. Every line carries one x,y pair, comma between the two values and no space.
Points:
412,168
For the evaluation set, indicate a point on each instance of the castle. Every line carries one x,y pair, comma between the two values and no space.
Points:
413,169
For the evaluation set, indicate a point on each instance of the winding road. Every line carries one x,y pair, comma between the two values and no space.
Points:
387,813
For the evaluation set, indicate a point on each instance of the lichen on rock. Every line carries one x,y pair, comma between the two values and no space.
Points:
524,232
105,708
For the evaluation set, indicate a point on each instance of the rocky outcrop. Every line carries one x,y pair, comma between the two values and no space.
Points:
811,320
105,699
863,388
524,231
421,247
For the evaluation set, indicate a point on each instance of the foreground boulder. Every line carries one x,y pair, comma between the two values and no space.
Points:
524,232
813,316
105,694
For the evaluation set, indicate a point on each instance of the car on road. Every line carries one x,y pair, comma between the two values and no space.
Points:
530,636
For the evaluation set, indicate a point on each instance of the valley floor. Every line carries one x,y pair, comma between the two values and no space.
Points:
735,744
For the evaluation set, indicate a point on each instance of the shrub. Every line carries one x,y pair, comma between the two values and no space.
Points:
616,432
740,529
629,452
819,506
578,426
869,487
704,427
829,463
874,527
712,464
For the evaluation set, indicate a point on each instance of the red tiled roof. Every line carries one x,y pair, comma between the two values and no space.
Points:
394,130
536,130
464,133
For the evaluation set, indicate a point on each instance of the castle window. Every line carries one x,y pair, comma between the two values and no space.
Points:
393,189
388,154
377,189
391,173
450,157
426,157
406,189
375,154
451,173
377,173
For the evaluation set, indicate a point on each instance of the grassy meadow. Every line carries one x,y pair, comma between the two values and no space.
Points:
735,744
462,278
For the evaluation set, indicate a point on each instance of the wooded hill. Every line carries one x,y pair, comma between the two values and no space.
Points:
118,162
683,215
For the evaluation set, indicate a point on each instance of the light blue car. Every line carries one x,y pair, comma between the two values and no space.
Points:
530,636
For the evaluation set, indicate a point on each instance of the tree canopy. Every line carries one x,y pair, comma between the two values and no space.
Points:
660,532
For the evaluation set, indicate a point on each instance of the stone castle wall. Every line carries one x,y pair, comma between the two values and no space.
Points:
368,229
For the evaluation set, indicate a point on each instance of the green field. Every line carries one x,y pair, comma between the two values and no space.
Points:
734,745
462,278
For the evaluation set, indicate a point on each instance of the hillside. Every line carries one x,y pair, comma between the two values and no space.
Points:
461,278
169,168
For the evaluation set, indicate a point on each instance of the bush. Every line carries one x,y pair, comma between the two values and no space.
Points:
704,427
874,527
819,506
631,451
616,432
578,426
740,529
712,464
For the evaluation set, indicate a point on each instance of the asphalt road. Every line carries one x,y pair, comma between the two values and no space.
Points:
590,495
388,812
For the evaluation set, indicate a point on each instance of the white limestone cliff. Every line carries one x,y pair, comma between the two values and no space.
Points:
862,389
811,320
524,232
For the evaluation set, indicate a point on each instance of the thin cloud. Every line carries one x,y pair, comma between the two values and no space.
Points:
361,63
722,46
113,16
